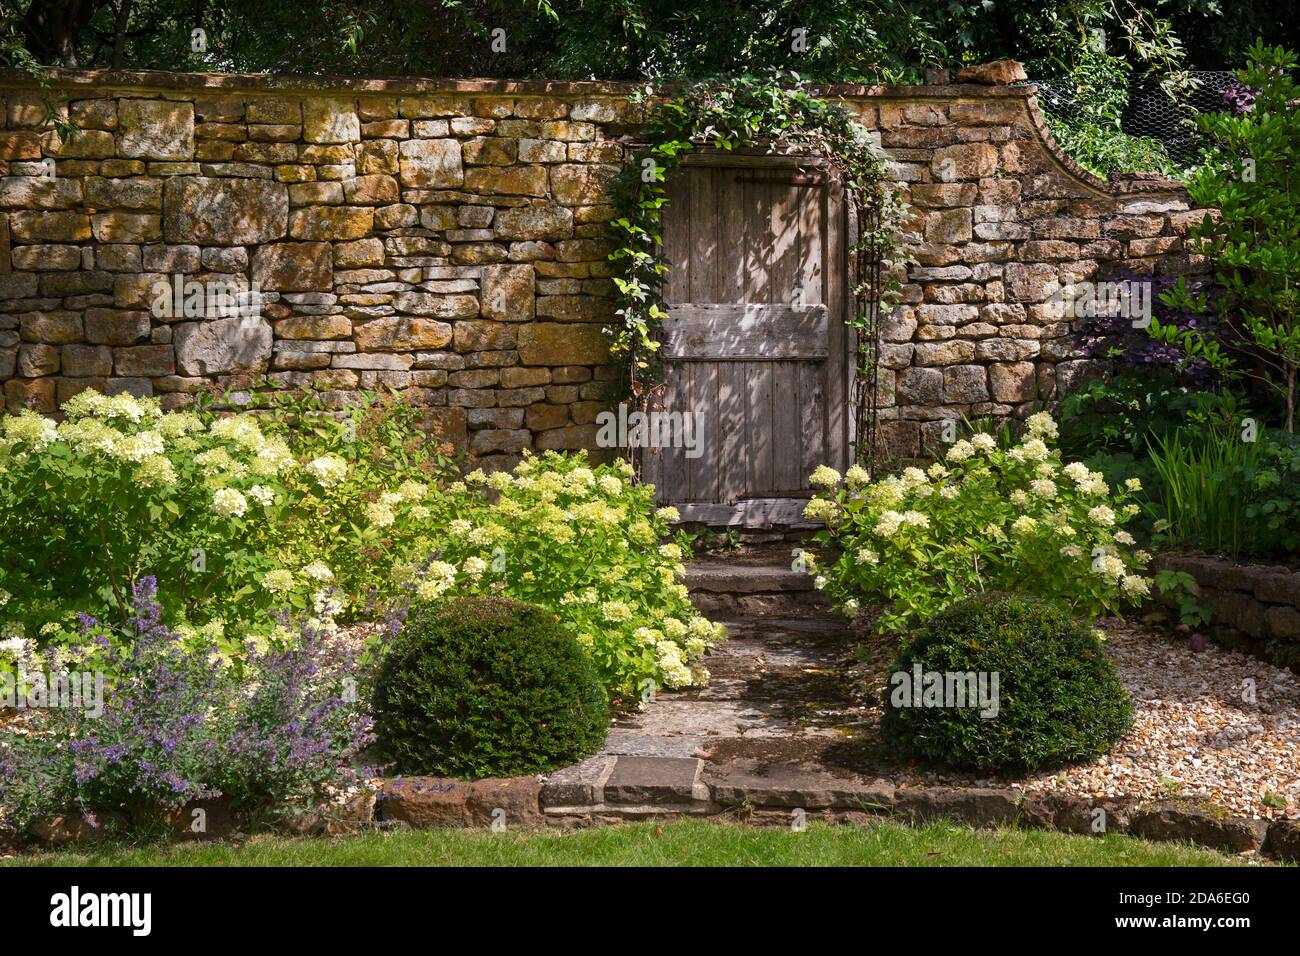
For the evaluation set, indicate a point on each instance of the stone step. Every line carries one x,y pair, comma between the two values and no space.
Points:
720,588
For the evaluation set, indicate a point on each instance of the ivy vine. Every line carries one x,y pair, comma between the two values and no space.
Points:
772,114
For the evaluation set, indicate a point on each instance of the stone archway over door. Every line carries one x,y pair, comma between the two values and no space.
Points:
756,344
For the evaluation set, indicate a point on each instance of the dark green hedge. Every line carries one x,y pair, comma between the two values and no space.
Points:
486,687
1059,698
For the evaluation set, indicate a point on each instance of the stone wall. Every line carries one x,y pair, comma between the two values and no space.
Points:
1256,607
447,237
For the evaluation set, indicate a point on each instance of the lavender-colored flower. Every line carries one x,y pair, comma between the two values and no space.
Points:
175,727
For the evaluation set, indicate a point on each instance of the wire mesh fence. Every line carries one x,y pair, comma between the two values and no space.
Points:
1151,111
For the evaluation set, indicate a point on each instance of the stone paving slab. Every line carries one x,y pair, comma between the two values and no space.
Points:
649,780
581,784
791,785
745,579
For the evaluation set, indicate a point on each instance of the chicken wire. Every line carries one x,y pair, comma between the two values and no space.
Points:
1152,112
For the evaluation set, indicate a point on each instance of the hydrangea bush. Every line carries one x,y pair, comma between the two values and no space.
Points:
984,518
326,516
225,514
583,542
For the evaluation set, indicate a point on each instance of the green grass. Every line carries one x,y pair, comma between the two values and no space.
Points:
684,843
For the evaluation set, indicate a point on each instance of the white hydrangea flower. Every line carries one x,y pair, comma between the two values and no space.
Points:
916,519
819,509
960,451
328,470
1035,450
380,514
155,472
136,448
1043,487
888,524
669,513
1077,470
1135,586
263,495
857,476
318,571
1023,525
1123,537
824,477
278,581
616,612
1102,515
439,578
1041,425
982,441
229,503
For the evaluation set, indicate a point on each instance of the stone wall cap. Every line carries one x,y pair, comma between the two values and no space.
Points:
172,81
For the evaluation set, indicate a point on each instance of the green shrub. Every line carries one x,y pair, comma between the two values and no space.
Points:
482,687
1058,697
986,518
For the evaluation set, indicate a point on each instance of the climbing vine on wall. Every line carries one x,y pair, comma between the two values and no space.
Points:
772,114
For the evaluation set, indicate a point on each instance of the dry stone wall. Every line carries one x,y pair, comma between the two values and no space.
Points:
447,238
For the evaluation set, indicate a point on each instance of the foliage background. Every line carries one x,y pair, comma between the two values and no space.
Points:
627,39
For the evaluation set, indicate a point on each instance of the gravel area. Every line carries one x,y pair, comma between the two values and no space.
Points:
1213,724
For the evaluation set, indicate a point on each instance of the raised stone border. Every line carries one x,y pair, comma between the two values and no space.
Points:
609,789
1256,606
613,789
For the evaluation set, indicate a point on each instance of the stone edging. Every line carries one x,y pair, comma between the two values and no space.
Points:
1256,606
646,790
599,792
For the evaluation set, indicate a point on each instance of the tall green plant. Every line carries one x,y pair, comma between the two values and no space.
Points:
1205,488
1252,179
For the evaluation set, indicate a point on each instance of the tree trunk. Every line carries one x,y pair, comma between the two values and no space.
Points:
119,32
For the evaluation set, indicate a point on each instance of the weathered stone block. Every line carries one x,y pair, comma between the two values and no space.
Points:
508,293
431,163
581,185
155,129
330,120
219,346
550,343
224,211
294,267
1012,382
399,333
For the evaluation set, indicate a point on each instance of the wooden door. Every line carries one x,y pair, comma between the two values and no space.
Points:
756,344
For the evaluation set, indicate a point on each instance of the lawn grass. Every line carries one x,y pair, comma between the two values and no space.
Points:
681,843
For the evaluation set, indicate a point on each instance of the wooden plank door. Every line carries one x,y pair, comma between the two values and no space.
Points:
755,344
